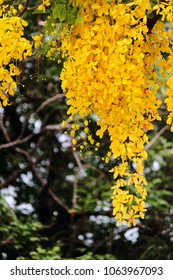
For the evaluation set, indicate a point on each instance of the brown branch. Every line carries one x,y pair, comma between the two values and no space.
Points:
11,178
74,240
33,8
152,20
154,17
57,200
57,126
74,201
4,130
25,8
39,29
154,139
11,143
36,174
78,161
46,102
74,198
27,138
111,237
17,142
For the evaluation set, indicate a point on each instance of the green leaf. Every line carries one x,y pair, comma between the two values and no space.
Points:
60,12
79,19
33,239
70,18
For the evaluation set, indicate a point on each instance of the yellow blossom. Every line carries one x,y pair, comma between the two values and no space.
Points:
44,5
38,40
13,47
109,71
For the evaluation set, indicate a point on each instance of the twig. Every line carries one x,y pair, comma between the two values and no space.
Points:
46,102
36,174
78,161
74,199
25,8
25,139
33,8
57,200
4,129
154,139
111,236
17,142
57,126
11,178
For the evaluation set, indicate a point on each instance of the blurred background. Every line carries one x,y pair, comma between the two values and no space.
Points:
56,205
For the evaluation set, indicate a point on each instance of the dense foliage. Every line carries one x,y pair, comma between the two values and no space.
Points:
116,60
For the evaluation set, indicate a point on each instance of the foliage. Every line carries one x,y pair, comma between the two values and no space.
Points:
67,191
16,236
117,47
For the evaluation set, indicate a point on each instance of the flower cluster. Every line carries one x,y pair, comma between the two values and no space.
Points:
112,52
44,5
13,48
110,71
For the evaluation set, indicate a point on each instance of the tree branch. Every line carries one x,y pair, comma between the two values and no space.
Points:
57,126
11,178
152,20
79,163
154,139
37,176
111,237
57,200
16,142
2,126
27,138
24,9
46,102
154,17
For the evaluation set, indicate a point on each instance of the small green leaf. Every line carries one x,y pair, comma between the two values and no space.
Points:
33,239
79,20
60,12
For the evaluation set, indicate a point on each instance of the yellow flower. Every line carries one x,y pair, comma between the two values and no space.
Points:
74,141
44,5
109,72
13,47
38,40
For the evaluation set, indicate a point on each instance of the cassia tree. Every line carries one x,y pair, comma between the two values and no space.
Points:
113,55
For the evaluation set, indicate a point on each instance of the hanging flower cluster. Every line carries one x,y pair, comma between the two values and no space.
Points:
13,48
112,52
110,71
